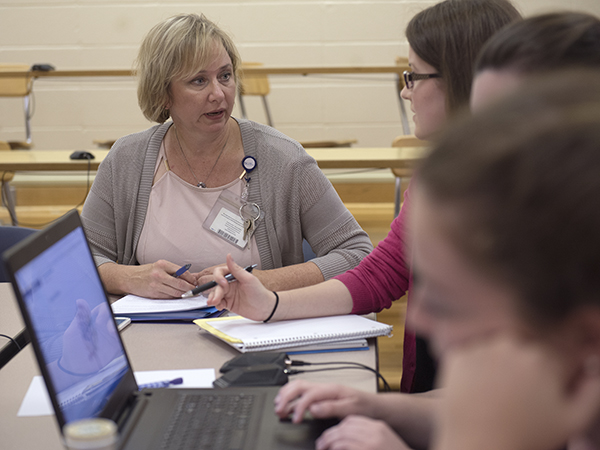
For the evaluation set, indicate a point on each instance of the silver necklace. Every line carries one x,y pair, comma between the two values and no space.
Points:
199,184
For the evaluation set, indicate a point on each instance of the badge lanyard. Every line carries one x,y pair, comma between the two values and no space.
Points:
249,164
233,217
249,212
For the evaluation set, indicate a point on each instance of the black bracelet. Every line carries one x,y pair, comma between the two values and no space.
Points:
274,309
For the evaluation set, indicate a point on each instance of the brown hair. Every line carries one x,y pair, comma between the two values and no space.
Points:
450,34
524,177
176,48
543,42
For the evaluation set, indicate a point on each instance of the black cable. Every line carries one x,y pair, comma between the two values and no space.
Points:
386,386
10,350
87,185
12,340
348,364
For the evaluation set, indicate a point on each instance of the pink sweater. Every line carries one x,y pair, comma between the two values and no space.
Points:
382,277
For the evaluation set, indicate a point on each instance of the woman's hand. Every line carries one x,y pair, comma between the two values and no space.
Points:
246,296
154,280
207,275
506,394
360,433
157,281
321,400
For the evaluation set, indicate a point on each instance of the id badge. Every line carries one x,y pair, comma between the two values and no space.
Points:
233,220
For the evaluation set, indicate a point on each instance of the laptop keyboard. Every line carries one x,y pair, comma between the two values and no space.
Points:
204,421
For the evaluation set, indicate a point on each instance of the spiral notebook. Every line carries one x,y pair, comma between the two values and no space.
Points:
250,336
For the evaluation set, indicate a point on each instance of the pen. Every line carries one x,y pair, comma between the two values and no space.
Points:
212,284
217,313
183,269
160,384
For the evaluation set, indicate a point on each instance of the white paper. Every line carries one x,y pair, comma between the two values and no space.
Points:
132,304
37,402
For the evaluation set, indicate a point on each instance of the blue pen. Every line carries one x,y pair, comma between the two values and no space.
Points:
160,384
183,269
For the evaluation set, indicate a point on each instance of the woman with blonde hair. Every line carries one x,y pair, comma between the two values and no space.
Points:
204,184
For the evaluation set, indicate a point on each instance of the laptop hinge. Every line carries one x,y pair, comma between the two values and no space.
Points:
129,416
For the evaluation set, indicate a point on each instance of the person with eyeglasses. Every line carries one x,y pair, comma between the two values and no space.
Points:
433,110
507,290
444,40
510,56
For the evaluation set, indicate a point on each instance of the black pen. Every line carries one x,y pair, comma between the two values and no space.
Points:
212,284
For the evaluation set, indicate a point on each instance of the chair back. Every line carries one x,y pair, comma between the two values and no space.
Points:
253,84
5,176
403,173
9,236
257,85
407,140
17,86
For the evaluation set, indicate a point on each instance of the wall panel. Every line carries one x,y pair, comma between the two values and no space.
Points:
106,34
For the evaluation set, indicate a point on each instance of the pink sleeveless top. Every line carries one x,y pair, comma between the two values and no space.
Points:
173,227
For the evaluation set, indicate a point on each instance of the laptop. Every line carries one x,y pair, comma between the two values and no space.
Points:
87,371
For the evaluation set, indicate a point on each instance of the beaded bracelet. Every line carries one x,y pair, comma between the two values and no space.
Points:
274,309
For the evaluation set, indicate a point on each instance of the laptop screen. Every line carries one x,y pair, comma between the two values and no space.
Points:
73,325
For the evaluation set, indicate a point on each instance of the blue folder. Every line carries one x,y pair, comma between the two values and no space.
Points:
175,316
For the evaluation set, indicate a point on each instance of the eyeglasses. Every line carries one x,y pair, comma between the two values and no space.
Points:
411,77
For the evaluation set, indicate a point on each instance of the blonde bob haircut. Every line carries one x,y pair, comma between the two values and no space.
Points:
176,48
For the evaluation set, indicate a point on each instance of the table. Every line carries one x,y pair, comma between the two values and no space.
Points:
150,347
249,69
47,160
327,158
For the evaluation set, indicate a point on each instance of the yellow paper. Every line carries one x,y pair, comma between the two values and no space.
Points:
205,325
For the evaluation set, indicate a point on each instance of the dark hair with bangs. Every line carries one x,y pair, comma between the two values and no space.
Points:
450,34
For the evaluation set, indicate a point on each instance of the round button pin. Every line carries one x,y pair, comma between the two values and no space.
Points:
249,163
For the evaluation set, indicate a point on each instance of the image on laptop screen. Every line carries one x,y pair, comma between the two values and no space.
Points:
73,323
